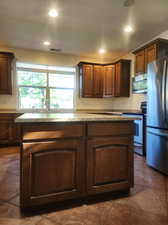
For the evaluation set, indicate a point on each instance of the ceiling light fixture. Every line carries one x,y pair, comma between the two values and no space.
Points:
128,29
46,43
102,51
53,13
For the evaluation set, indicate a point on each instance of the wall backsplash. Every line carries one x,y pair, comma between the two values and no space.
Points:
32,56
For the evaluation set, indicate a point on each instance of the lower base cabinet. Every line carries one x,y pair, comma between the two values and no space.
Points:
109,165
10,132
55,170
97,159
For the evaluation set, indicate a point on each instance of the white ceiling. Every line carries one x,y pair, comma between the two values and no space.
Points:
83,26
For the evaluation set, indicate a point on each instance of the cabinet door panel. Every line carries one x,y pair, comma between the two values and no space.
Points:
56,180
118,79
150,55
5,74
106,170
140,62
55,171
5,130
109,81
87,71
109,165
98,81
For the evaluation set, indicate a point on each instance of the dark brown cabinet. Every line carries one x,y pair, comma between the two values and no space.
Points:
10,132
122,78
109,164
55,170
109,81
98,81
148,53
140,62
91,80
5,73
61,161
86,76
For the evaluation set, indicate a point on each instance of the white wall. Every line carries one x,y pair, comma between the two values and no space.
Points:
39,57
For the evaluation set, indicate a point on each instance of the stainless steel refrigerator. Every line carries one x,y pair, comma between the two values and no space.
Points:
157,115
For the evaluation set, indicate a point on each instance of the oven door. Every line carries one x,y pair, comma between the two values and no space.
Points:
138,138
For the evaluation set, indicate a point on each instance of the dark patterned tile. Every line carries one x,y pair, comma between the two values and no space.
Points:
120,214
45,221
11,215
15,200
145,175
147,199
9,186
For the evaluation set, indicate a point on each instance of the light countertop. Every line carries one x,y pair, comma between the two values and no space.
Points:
70,117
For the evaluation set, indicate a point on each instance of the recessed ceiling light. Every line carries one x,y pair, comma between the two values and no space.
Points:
53,13
128,29
46,43
102,51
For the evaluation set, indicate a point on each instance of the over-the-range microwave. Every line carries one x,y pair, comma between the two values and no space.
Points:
139,83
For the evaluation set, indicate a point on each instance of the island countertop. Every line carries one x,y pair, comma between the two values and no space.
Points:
70,117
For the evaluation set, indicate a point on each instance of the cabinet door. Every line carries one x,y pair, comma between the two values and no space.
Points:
150,55
98,81
118,79
5,132
140,62
55,171
109,81
87,80
5,74
109,164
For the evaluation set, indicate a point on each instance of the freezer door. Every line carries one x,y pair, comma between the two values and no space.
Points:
157,149
157,94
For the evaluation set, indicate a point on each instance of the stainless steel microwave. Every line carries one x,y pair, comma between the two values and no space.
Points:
139,84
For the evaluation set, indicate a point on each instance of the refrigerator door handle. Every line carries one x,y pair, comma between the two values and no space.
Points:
166,94
159,133
163,88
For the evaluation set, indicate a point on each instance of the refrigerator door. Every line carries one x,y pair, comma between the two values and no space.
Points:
157,94
157,149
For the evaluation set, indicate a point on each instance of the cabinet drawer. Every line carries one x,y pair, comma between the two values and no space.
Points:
110,129
38,132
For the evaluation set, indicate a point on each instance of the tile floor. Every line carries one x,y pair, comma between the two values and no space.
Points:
147,203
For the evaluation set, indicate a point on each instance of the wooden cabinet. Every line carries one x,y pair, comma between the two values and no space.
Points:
122,78
86,76
5,73
109,81
59,164
109,164
55,170
98,81
148,53
140,62
91,80
10,132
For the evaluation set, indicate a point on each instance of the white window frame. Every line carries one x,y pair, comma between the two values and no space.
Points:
48,109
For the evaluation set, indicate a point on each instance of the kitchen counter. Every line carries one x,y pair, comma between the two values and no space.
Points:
124,111
70,117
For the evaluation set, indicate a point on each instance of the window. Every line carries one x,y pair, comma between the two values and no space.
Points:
45,88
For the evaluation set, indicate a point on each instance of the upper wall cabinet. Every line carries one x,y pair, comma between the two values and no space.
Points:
98,80
109,81
148,53
122,78
91,80
5,73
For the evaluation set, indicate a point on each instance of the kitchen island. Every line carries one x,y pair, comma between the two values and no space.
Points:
67,155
